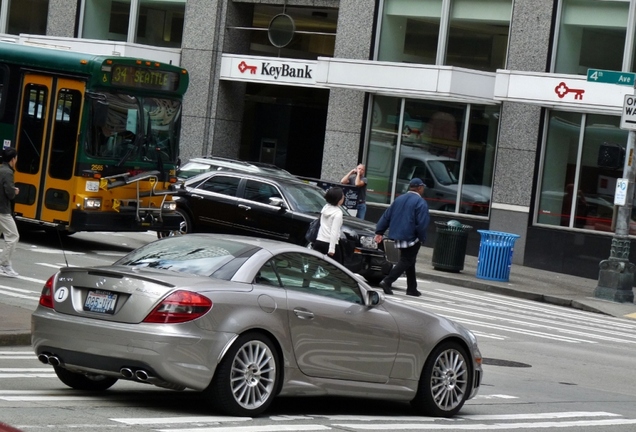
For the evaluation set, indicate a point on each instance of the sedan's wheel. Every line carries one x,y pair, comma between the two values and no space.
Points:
246,380
445,382
185,226
83,382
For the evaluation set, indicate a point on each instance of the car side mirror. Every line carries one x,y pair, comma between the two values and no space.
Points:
374,298
277,202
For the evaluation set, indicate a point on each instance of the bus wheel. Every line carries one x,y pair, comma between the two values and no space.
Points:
185,226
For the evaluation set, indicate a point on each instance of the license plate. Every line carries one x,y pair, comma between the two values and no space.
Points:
100,302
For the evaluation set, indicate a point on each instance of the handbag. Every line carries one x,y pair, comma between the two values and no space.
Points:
312,231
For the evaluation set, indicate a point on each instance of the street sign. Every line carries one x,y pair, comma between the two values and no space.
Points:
620,196
628,118
611,77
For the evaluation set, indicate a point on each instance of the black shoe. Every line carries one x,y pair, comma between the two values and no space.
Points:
414,293
386,287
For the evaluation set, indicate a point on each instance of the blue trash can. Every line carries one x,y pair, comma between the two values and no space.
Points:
495,255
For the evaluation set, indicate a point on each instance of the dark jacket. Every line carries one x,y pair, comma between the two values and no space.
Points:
406,219
7,192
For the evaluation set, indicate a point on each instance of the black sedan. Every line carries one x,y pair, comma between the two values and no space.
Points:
276,208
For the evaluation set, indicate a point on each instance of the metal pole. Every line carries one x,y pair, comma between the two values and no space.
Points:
616,274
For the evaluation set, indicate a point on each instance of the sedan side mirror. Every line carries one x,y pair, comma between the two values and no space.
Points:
374,298
277,202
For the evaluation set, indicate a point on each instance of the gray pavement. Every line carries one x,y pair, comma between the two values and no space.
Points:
525,282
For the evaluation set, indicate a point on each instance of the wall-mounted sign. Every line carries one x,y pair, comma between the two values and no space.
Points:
561,91
268,69
620,196
628,117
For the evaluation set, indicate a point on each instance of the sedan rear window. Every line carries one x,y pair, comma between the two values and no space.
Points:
191,254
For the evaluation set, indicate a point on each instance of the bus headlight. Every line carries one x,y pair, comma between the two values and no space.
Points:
92,203
169,206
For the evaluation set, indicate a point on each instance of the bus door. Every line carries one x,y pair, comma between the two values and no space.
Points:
46,140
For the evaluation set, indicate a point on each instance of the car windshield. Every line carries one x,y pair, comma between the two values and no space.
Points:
308,199
134,128
446,172
191,254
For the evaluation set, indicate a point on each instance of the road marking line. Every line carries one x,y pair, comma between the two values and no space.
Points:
473,426
177,420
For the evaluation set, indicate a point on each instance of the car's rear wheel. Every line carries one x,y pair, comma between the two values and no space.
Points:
80,381
445,383
185,226
246,380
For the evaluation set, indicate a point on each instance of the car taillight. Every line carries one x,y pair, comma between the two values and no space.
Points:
46,298
178,307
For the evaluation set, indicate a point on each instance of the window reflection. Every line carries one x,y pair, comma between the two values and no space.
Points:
431,144
577,187
28,16
477,33
157,23
591,35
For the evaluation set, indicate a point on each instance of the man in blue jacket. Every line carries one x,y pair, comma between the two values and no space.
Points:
406,219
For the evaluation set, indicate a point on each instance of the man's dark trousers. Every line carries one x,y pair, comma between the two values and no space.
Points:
406,263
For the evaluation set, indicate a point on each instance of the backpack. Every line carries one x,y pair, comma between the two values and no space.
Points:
312,231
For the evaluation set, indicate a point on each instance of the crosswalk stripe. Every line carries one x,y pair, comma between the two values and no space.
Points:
11,292
267,428
470,427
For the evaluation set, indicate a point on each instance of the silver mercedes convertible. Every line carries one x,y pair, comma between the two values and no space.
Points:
243,320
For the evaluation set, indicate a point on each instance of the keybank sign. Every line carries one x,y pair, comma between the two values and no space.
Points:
266,69
285,70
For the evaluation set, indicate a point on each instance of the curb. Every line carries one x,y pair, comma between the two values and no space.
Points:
14,339
510,292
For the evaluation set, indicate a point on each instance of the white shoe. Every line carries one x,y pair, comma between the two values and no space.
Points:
8,271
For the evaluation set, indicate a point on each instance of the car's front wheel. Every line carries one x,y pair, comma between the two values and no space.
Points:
445,383
80,381
185,226
246,380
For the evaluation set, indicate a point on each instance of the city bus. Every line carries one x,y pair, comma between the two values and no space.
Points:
97,138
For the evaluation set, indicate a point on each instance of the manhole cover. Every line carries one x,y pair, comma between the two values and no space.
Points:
505,363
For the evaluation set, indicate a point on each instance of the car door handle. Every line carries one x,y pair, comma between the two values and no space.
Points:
303,314
196,196
244,207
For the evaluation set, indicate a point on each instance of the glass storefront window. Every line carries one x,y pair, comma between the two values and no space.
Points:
410,31
160,23
157,23
591,35
584,155
28,16
315,34
385,124
477,32
427,140
97,26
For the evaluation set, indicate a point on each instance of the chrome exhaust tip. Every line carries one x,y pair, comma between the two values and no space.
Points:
126,373
142,375
44,358
54,361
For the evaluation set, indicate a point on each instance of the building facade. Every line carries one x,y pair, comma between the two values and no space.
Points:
509,110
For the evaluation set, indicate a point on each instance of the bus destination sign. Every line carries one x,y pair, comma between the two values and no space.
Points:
143,78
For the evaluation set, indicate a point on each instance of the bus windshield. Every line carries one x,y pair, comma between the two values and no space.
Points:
133,128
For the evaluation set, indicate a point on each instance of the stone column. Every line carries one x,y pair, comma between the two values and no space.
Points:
212,109
61,18
346,107
519,132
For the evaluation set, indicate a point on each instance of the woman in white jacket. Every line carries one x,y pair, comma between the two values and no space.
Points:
330,224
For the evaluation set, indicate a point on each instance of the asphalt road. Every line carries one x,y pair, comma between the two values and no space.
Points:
545,367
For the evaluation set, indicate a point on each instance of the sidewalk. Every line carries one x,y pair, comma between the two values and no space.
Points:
525,282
